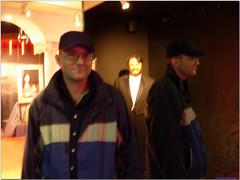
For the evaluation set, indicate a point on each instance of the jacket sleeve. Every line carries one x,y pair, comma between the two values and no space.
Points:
32,152
165,132
129,165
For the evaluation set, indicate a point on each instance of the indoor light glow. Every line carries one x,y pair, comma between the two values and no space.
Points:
77,19
10,47
125,5
34,49
22,48
28,13
22,36
7,17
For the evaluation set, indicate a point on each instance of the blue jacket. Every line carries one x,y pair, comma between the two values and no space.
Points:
175,144
91,140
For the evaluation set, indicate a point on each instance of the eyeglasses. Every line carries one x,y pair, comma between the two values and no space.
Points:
73,57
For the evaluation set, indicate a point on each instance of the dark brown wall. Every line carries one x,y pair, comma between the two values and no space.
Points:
215,89
114,43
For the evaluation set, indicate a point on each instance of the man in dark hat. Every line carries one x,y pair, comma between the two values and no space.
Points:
78,127
175,145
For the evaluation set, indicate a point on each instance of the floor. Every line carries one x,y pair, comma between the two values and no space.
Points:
11,157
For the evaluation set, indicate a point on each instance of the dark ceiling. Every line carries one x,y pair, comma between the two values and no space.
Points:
150,9
165,11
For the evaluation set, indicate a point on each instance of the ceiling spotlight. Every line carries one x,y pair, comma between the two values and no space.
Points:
25,10
125,5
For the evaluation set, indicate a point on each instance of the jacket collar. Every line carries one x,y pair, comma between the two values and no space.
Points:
56,88
182,85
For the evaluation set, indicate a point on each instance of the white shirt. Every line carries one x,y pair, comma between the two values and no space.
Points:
134,83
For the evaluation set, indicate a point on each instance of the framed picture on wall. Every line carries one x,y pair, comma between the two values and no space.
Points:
30,82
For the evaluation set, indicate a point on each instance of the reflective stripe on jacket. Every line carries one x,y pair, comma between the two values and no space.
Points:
106,147
175,144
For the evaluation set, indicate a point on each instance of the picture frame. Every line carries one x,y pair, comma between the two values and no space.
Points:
30,82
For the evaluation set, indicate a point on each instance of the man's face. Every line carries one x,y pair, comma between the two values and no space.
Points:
135,67
187,65
75,63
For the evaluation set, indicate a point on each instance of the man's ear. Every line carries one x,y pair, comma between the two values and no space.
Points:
57,57
174,61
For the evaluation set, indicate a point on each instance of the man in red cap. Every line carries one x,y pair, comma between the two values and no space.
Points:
78,127
175,145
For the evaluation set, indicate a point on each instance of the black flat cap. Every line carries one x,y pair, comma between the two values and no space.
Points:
183,48
74,38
